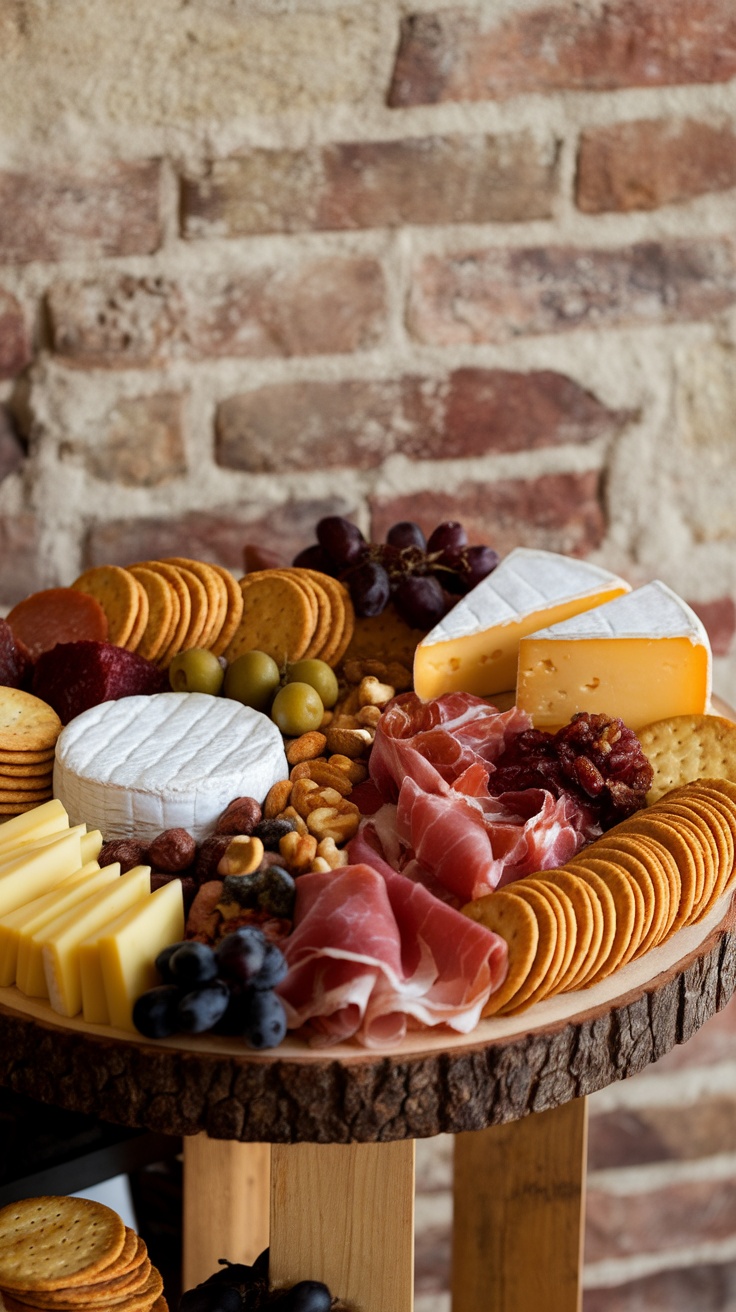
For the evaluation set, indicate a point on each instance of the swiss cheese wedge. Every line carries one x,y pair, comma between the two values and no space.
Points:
128,949
642,657
475,647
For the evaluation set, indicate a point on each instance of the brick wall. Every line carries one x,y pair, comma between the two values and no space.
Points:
263,260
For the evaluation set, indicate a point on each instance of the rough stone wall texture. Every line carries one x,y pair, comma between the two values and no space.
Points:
263,259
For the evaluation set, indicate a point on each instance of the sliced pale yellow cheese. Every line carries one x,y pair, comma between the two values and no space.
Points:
33,844
91,845
60,939
18,927
47,818
29,875
643,657
129,947
475,647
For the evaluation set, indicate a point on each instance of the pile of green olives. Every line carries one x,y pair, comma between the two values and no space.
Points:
295,698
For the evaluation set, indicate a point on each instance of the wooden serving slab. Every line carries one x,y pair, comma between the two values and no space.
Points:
433,1082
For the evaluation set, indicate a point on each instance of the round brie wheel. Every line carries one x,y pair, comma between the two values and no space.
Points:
136,766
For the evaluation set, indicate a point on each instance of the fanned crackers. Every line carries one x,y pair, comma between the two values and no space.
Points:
64,1254
292,614
663,868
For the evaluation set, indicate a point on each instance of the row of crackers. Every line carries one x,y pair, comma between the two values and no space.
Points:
159,608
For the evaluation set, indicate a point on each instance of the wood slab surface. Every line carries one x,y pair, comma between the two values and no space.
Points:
433,1082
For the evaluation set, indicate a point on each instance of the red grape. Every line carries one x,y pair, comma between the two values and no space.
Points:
420,601
314,557
448,536
479,563
342,541
369,588
406,534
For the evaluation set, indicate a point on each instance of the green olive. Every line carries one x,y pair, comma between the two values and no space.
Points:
252,679
297,708
319,675
196,670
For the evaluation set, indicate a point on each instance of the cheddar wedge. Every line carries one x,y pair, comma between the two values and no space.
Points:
643,657
18,927
475,647
60,939
26,876
47,818
128,949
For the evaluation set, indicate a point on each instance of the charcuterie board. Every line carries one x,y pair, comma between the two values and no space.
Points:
433,1082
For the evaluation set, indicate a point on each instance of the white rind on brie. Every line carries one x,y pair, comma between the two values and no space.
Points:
136,766
652,611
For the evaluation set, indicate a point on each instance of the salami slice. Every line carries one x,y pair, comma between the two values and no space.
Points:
77,675
16,666
57,615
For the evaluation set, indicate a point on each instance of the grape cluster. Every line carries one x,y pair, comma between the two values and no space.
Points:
422,576
595,757
229,988
239,1288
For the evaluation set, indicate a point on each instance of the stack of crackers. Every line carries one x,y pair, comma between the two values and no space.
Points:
72,1254
161,607
293,614
658,871
28,732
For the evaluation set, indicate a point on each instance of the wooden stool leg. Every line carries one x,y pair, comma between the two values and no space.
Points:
519,1205
226,1192
344,1214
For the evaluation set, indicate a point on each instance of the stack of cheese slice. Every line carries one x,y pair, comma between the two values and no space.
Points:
56,902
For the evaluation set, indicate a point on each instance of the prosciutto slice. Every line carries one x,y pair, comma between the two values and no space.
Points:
373,954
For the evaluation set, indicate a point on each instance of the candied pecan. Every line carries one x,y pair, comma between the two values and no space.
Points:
277,798
240,817
172,850
128,851
209,855
306,747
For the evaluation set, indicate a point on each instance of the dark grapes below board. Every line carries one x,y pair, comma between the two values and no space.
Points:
236,1287
422,576
228,989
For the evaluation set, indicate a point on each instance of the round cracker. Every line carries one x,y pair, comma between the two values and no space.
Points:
199,606
343,616
101,1292
323,619
277,618
49,1243
115,590
26,723
588,922
545,958
45,757
234,611
515,922
181,624
27,770
713,828
720,810
686,747
141,619
33,795
562,907
643,891
162,614
216,591
602,892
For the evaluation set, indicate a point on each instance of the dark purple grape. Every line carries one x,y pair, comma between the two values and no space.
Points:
155,1012
211,1298
241,955
448,536
192,963
266,1023
200,1009
406,534
273,970
369,587
341,540
163,959
479,563
420,601
230,1273
314,557
307,1296
235,1018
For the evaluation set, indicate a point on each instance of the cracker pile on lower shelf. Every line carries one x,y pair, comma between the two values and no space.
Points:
663,868
62,1254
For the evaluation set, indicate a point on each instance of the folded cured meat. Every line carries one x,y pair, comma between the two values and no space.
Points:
373,954
434,759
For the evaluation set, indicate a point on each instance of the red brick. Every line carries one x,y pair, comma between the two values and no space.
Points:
67,214
15,347
494,295
312,307
659,1221
639,1135
684,1289
141,442
20,564
557,512
12,449
719,618
463,54
454,179
360,423
642,165
218,537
